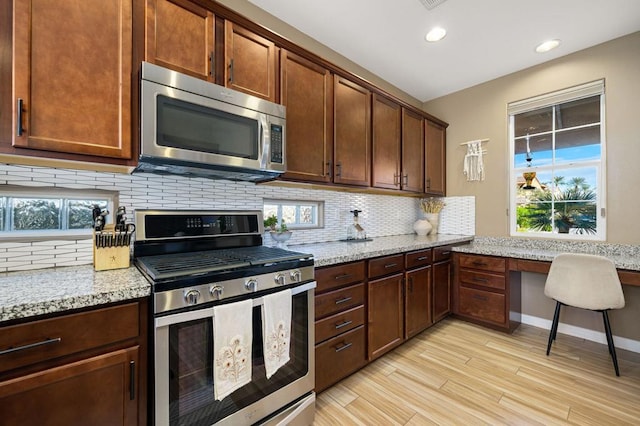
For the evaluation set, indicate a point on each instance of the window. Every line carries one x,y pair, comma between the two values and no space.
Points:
557,183
296,214
29,212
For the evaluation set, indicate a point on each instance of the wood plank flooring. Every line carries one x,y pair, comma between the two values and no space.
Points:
456,373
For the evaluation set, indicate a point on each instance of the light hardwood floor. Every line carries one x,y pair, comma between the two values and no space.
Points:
456,373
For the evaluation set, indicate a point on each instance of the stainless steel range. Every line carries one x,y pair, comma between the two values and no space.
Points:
197,260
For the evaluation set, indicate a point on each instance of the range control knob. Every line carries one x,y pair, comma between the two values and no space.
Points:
251,285
279,279
191,297
216,292
296,275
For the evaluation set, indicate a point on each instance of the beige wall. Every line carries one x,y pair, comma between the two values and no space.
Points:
252,12
480,112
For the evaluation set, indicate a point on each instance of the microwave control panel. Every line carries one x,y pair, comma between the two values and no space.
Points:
276,144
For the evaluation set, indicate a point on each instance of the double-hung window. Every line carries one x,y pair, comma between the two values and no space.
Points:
557,167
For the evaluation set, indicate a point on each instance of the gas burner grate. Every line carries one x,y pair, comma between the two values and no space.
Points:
201,262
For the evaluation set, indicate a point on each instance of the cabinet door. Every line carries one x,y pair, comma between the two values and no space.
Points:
72,76
250,62
95,391
412,152
417,301
386,143
180,36
441,290
307,92
352,140
385,309
435,158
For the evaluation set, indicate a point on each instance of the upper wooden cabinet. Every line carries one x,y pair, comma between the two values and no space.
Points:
412,152
180,36
386,143
250,62
72,76
307,93
435,159
352,133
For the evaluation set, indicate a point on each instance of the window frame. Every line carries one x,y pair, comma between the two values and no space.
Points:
319,224
594,88
54,193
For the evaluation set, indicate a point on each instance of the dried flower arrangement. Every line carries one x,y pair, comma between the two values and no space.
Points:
431,205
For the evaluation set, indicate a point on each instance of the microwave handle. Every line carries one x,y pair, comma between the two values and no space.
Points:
264,141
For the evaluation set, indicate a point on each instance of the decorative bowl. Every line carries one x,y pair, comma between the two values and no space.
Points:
281,238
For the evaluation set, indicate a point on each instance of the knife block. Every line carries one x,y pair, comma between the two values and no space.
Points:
109,257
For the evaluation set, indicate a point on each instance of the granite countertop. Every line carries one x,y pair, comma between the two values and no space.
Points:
335,252
623,256
45,291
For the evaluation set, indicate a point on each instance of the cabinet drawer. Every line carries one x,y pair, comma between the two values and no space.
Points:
339,276
339,323
338,357
339,300
386,265
482,305
483,279
484,263
441,253
43,340
418,258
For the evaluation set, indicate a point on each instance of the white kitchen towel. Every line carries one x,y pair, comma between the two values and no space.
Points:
232,339
276,327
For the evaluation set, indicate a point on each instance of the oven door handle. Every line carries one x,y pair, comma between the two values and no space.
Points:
208,312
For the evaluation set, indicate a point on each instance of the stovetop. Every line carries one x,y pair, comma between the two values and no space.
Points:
209,262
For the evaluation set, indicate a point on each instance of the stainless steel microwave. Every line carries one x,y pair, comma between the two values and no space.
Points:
193,127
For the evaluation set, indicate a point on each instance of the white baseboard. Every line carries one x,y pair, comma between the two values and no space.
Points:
583,333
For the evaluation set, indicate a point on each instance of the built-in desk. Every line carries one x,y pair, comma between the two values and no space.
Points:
487,273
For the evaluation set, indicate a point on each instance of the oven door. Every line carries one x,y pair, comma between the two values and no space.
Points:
184,368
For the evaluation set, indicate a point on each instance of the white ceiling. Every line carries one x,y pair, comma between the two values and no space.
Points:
485,40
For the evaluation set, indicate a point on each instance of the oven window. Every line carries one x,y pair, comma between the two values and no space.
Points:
191,397
185,125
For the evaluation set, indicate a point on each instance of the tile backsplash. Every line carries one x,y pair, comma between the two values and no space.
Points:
382,215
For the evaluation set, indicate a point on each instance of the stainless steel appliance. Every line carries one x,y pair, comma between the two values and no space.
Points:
193,127
196,260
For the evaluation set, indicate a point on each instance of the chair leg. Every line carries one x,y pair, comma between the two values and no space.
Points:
554,326
612,348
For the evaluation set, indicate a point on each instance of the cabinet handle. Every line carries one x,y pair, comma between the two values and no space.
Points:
428,183
390,265
231,71
338,169
446,253
132,380
396,179
343,347
478,263
423,258
480,280
328,172
211,64
342,277
478,297
343,300
410,284
405,180
343,324
19,128
31,345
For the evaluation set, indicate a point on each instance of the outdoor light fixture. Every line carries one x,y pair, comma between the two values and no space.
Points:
528,176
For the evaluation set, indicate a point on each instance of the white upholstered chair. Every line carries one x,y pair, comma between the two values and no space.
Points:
588,282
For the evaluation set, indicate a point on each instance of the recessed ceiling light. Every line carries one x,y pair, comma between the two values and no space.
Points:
436,34
547,46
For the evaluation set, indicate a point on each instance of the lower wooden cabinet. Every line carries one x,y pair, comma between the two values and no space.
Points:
484,293
385,312
98,390
76,369
340,356
441,283
417,301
